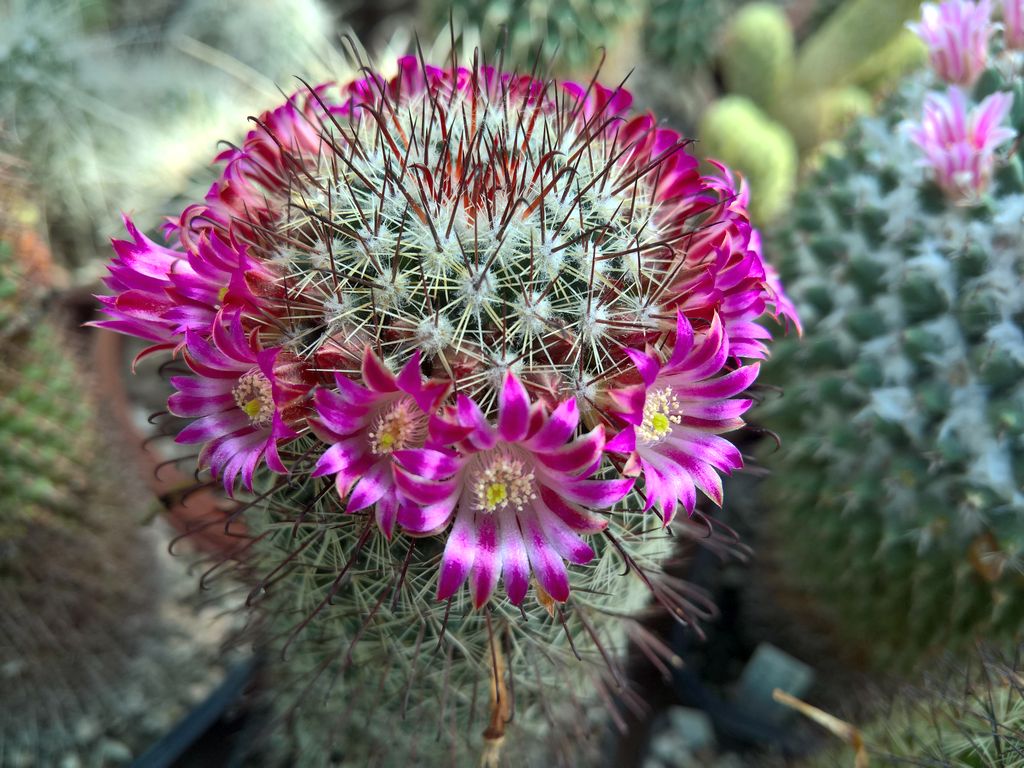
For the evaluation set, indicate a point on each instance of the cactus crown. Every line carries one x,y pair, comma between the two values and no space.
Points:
524,240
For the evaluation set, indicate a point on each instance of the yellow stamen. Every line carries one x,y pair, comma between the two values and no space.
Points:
403,426
504,481
496,494
661,411
254,395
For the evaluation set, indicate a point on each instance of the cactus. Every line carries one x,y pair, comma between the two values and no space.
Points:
45,438
95,666
736,132
442,333
797,95
571,33
905,405
854,33
757,53
385,674
963,716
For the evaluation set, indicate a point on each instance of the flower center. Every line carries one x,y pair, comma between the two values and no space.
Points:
661,411
254,395
402,426
504,481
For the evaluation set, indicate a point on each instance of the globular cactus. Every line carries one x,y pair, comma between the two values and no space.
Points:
962,716
444,329
569,35
905,406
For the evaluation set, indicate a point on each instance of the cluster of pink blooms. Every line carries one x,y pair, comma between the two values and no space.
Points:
959,140
515,484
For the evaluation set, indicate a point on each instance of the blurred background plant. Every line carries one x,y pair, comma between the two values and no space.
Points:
963,714
100,655
116,108
905,401
783,100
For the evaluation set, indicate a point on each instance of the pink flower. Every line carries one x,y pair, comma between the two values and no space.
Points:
521,493
956,33
960,144
675,417
161,293
244,401
721,270
366,425
1013,23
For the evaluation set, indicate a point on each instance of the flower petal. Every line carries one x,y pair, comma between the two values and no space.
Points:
459,555
487,562
515,562
546,563
513,410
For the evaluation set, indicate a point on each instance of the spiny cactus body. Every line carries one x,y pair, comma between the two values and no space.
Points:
962,716
460,328
905,404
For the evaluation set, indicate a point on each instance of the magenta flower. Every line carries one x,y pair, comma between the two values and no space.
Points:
522,494
1013,23
161,293
140,277
956,33
723,272
244,400
366,425
676,416
959,144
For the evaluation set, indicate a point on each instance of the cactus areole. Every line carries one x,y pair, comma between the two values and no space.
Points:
491,307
